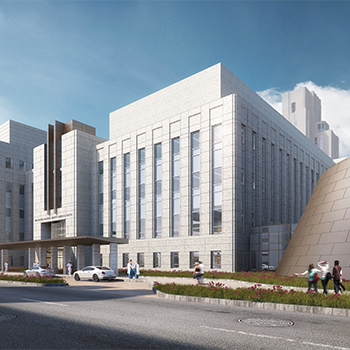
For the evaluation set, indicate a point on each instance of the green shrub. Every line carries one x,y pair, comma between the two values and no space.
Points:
275,294
32,279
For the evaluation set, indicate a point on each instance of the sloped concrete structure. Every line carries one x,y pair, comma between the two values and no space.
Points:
323,232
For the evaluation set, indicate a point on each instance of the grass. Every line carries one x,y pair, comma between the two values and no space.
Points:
263,277
31,279
275,294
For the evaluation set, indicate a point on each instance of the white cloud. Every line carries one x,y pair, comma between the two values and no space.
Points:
335,109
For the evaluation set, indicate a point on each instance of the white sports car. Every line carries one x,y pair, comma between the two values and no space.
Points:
95,273
39,271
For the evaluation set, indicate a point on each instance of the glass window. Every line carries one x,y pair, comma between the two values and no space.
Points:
156,260
216,259
141,259
100,186
8,163
127,195
176,187
194,257
142,194
174,260
125,259
195,183
217,179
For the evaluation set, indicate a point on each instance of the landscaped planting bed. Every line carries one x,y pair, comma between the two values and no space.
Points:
275,294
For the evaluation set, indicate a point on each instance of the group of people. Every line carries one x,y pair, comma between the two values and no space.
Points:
133,270
326,276
198,272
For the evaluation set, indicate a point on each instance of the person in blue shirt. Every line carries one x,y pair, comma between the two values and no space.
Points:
311,271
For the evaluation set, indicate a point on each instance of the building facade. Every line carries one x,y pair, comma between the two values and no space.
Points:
303,109
186,174
17,142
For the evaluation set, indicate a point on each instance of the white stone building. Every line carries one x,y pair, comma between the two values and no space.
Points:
185,175
303,109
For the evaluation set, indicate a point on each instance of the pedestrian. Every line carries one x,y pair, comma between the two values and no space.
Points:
197,273
34,264
325,275
49,264
337,273
37,264
311,272
6,266
137,270
69,268
130,269
201,270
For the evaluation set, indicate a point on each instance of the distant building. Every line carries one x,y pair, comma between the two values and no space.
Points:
186,174
303,109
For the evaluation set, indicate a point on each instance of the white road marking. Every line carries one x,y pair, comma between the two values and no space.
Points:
44,302
276,338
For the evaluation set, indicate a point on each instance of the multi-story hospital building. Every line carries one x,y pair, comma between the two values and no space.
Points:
189,173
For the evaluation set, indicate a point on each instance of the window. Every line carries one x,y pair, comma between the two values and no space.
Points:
113,197
217,180
242,176
176,187
142,190
316,141
194,257
195,184
125,259
216,259
272,179
22,166
141,259
8,218
293,107
8,163
156,260
100,198
174,260
263,182
127,195
158,190
253,179
21,212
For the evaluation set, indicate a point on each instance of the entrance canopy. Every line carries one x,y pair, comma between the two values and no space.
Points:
60,242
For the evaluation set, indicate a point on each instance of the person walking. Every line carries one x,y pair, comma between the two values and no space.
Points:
324,266
201,271
6,265
311,271
197,273
130,269
137,270
69,268
337,273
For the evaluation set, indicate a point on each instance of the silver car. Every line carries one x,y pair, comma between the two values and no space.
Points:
95,273
39,271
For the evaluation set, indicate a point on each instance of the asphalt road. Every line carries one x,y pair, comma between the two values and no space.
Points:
121,315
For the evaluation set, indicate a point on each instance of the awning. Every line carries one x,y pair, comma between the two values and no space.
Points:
60,242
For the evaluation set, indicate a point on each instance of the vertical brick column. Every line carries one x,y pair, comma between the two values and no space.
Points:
81,257
31,257
66,258
96,255
54,258
42,256
4,257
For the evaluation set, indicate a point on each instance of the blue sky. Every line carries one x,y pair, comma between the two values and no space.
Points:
62,60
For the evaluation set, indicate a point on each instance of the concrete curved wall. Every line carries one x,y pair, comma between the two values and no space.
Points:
323,232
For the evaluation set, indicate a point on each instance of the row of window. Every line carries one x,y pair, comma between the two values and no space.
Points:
22,164
8,215
175,189
175,260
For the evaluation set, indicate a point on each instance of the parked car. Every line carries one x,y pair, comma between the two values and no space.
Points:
95,273
267,267
39,271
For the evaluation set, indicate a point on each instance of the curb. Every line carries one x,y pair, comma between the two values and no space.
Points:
36,284
253,304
